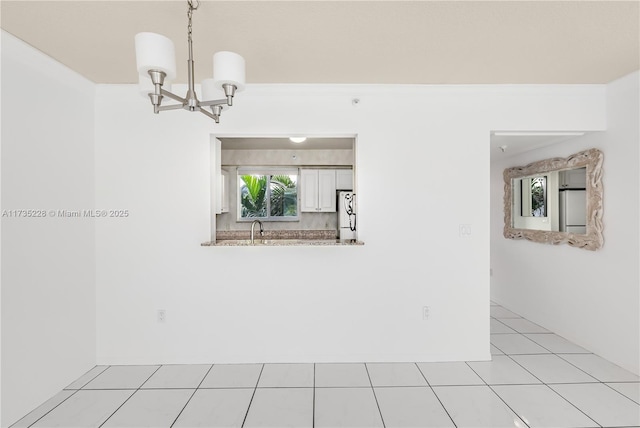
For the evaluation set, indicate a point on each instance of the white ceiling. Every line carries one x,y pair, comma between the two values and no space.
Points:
404,42
419,42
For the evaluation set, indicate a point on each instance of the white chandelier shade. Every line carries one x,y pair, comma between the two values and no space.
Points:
209,91
228,68
155,52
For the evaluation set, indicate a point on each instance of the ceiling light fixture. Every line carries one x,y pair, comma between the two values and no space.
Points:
298,139
155,58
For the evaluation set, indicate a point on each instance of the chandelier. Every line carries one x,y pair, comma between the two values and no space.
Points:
156,62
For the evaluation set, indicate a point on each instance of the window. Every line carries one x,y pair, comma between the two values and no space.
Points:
267,194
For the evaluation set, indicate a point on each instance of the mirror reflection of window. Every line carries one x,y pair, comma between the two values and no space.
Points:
534,197
539,196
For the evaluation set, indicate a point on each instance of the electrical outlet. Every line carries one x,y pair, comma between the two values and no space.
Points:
426,310
162,315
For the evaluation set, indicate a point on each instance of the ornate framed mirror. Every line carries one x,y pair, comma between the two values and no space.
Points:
556,201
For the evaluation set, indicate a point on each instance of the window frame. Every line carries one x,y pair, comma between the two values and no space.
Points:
266,171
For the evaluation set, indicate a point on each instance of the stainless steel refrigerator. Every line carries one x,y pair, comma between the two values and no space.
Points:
347,215
573,211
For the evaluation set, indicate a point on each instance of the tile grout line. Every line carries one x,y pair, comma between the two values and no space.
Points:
567,400
637,402
559,355
189,400
93,378
598,380
56,406
530,340
436,395
491,344
557,335
589,374
538,344
497,395
356,387
129,398
545,384
374,395
252,395
292,387
313,411
500,323
46,413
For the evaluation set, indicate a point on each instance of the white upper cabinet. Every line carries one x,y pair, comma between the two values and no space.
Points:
318,190
327,190
309,190
573,178
344,179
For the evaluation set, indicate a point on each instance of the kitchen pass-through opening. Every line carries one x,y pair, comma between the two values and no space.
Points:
301,189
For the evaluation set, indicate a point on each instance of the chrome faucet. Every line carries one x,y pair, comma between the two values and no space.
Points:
253,225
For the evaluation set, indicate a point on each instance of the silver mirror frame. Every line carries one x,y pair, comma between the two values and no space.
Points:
593,239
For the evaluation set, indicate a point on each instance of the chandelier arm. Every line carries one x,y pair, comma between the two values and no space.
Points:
221,102
206,113
173,96
170,107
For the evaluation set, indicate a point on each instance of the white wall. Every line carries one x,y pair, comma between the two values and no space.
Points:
591,298
48,264
419,149
1,229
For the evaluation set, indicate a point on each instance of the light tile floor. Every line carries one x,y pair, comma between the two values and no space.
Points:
536,379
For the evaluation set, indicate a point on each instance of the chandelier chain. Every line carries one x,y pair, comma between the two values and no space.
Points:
192,7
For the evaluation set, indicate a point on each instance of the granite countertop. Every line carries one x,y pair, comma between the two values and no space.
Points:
280,242
279,238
